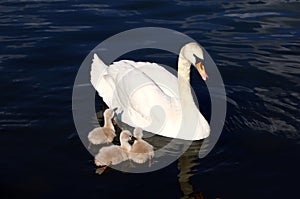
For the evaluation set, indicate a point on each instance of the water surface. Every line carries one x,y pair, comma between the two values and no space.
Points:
256,46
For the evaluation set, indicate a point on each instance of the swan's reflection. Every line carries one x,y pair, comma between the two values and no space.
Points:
185,164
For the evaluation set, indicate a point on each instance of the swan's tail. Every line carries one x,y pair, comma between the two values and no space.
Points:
97,69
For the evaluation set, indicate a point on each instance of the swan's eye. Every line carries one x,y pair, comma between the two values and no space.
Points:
198,60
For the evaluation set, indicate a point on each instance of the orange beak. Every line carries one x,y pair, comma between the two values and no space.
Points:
201,69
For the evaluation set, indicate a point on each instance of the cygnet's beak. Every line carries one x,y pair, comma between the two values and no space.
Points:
132,139
201,69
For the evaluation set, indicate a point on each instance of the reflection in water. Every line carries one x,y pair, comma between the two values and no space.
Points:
185,164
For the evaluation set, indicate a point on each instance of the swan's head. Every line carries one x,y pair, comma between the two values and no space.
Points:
138,133
125,136
194,54
108,113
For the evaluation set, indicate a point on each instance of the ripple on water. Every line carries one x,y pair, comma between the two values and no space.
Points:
269,109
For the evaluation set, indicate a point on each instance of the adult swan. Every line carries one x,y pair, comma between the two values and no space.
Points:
146,95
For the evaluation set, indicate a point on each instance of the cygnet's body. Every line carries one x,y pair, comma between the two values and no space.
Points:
105,134
112,155
141,151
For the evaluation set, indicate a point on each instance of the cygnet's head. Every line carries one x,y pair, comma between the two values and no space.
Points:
109,113
194,54
125,135
138,133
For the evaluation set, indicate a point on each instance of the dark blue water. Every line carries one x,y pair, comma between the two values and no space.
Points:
256,46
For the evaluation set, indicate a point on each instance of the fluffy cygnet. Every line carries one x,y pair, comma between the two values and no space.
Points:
106,133
112,155
141,151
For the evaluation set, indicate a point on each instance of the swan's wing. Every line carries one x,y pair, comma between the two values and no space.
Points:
164,79
136,93
104,86
158,75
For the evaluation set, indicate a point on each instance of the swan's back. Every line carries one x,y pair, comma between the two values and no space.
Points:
141,146
110,155
101,135
109,133
141,151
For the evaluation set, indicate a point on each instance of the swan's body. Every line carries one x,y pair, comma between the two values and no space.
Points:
142,90
141,151
112,155
105,134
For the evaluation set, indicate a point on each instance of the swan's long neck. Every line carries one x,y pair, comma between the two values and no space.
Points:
125,145
184,68
108,123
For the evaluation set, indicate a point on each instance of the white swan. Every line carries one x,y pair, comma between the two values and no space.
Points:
114,154
141,151
134,88
105,134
